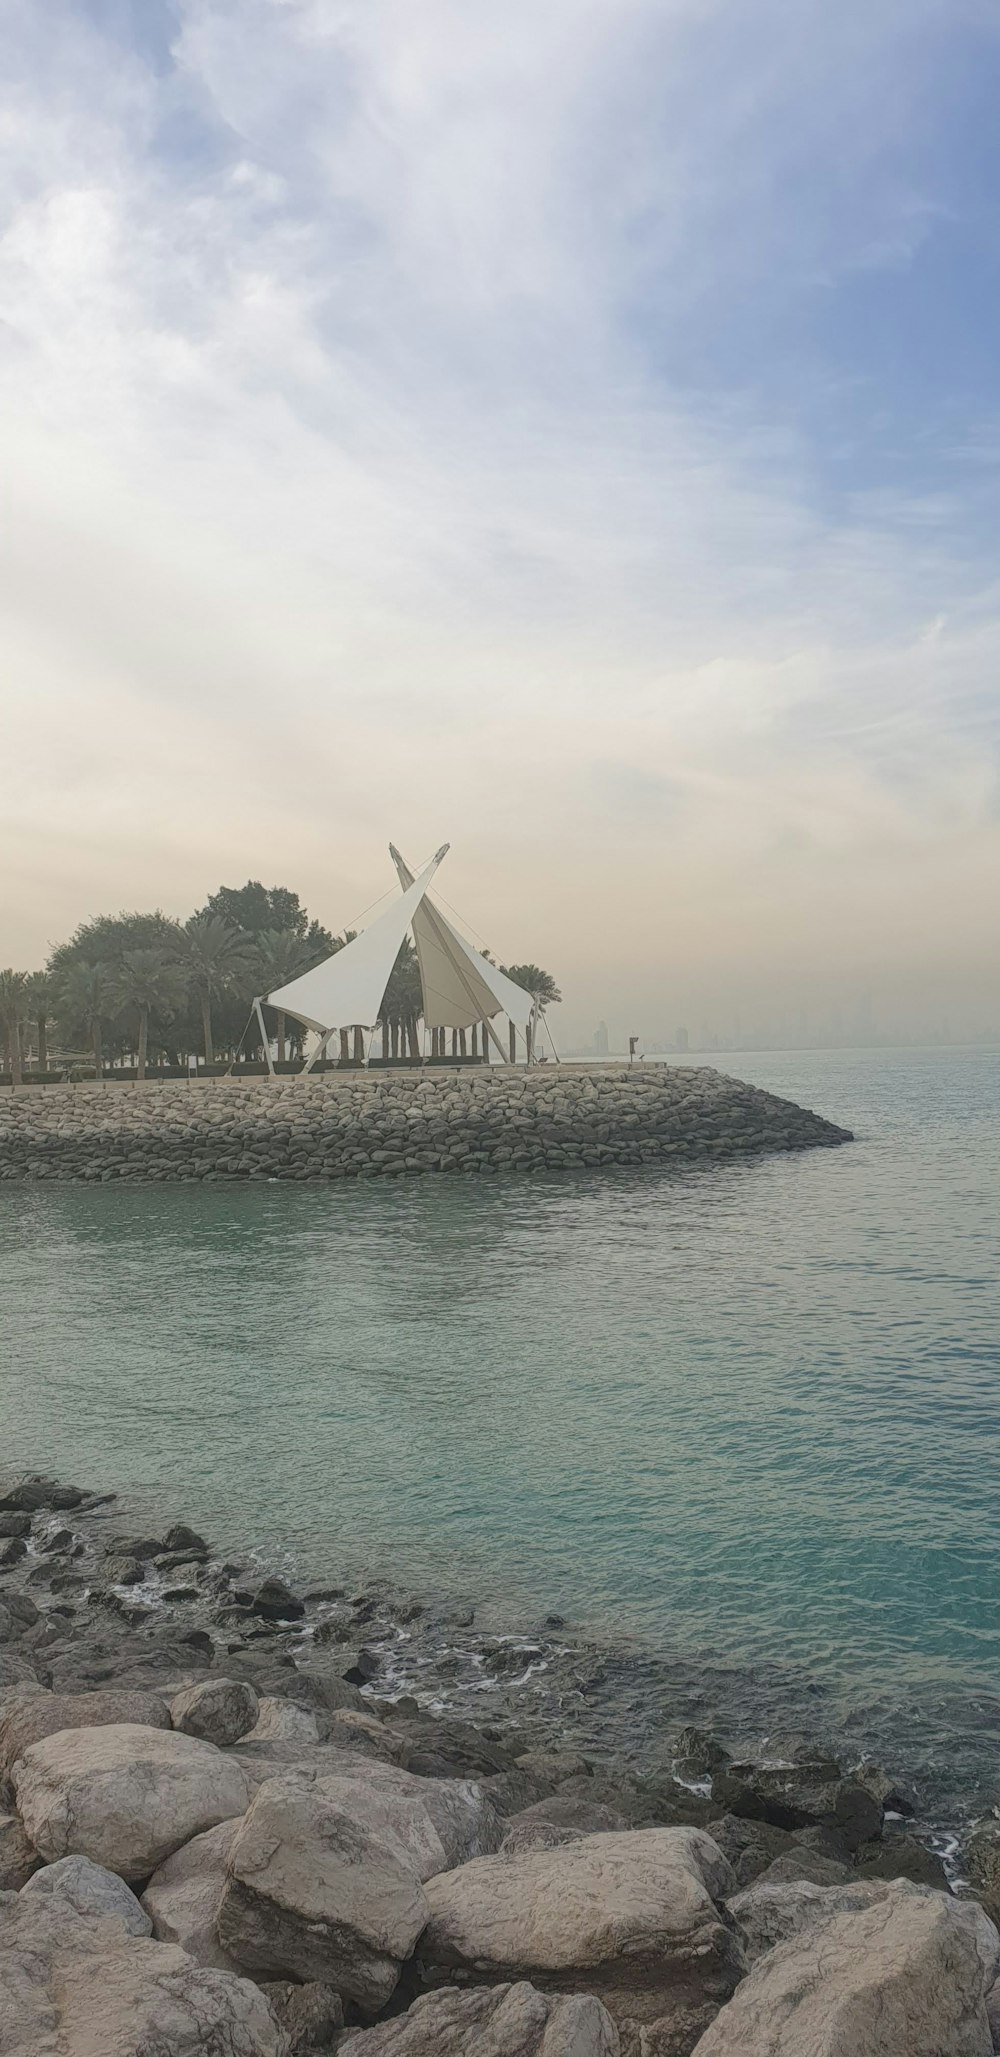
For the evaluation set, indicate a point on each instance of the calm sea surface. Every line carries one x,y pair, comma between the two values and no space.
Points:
751,1412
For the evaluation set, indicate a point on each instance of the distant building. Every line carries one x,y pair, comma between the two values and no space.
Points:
681,1039
601,1039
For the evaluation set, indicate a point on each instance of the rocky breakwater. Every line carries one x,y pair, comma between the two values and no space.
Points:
215,1839
398,1124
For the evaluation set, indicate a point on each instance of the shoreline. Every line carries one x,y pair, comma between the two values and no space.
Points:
555,1683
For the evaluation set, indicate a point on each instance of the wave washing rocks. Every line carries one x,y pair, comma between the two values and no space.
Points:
218,1833
396,1124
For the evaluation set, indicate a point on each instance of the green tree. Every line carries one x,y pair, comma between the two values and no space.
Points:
82,1003
14,1013
106,939
41,1004
281,956
217,959
535,981
258,909
147,982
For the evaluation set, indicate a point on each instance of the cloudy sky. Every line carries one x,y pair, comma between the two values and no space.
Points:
569,428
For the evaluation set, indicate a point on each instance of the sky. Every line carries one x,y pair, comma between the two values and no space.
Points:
570,430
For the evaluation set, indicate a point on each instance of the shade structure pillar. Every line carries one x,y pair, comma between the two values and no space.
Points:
474,1039
259,1011
461,1043
359,1046
512,1032
345,1047
454,1042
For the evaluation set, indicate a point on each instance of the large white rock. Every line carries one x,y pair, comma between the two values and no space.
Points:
441,1821
73,1986
904,1975
125,1796
313,1893
498,2021
629,1917
27,1717
183,1897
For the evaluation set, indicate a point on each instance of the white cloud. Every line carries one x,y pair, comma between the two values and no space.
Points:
349,496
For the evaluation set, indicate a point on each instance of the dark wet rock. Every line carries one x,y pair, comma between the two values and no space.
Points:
143,1547
449,1748
901,1856
12,1552
21,1608
894,1795
751,1846
276,1602
123,1571
59,1542
180,1537
14,1526
697,1753
796,1798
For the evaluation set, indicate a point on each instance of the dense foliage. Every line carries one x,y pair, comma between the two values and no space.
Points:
151,989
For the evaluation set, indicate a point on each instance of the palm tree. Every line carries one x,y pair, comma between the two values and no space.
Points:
535,981
281,955
41,1001
13,1014
150,983
82,1003
403,1001
217,958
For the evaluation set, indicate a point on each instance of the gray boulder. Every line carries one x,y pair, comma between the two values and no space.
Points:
627,1917
18,1857
125,1796
308,2016
500,2021
312,1893
85,1987
220,1711
281,1721
28,1717
772,1912
183,1897
902,1972
90,1889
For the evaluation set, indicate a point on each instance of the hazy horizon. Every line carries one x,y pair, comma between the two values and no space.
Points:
571,433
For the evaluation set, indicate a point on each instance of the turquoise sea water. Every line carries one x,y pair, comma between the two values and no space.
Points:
748,1411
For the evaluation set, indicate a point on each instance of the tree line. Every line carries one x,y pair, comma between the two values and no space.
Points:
149,987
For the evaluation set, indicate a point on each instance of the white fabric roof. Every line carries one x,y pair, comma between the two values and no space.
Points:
347,989
460,987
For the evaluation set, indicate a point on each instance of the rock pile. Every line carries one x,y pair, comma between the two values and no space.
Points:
219,1843
397,1124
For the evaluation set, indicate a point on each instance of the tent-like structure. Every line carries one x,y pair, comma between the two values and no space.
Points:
460,987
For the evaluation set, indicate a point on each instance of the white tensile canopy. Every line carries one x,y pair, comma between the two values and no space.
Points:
459,986
348,988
